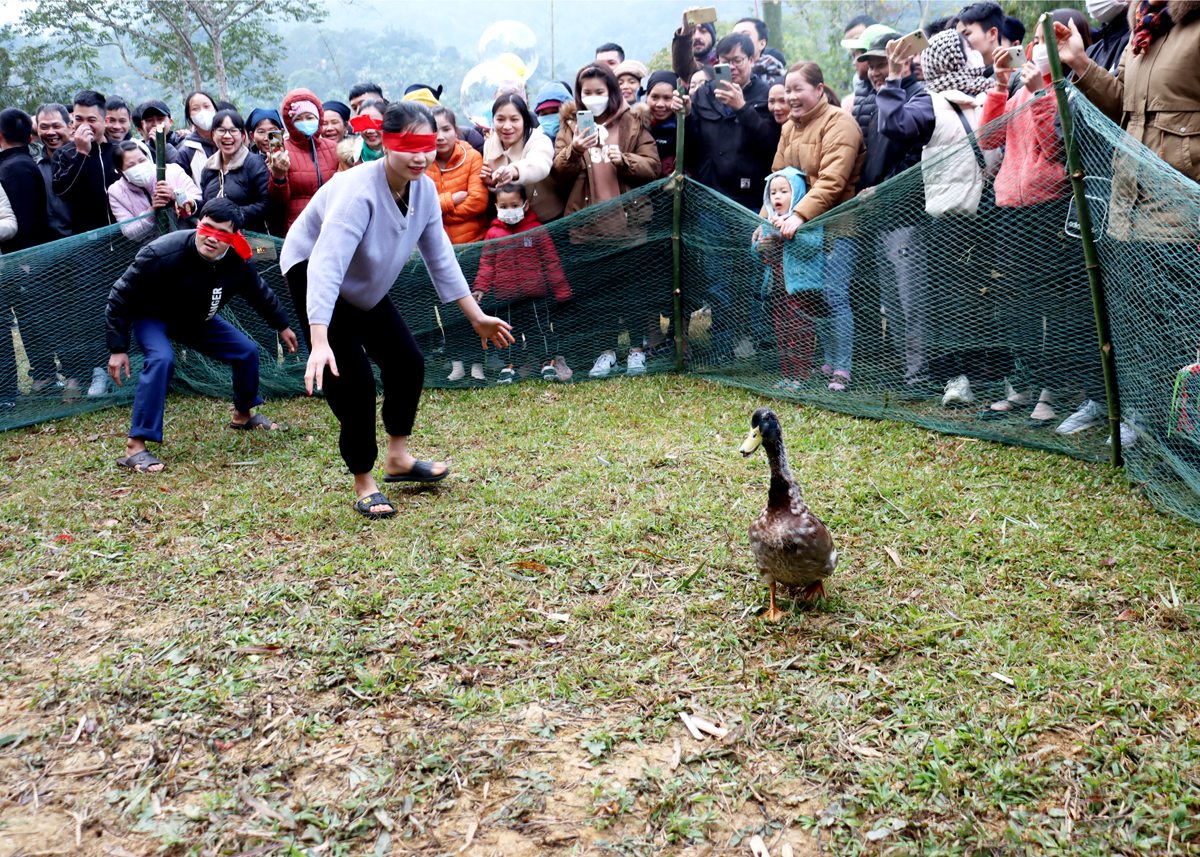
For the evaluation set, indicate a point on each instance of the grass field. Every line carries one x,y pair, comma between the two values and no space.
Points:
225,660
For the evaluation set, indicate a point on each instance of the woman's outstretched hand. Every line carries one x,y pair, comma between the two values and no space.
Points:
320,356
497,330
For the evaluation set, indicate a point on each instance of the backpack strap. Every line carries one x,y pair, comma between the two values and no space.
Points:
970,136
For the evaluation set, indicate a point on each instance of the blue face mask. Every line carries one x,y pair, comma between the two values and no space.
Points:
308,127
549,125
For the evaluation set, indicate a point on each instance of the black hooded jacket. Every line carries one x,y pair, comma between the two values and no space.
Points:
732,152
170,280
26,192
82,182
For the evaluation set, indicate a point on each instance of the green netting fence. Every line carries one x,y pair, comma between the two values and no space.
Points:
910,302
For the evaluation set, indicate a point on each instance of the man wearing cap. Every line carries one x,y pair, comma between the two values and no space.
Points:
549,101
857,46
903,123
204,276
153,115
693,46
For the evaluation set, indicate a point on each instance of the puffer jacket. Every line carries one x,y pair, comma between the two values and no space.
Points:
799,259
129,202
463,222
1156,98
1034,168
199,289
193,153
521,268
533,159
639,162
731,152
826,145
245,183
954,182
314,160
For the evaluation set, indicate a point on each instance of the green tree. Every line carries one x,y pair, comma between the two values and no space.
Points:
178,45
1028,11
25,80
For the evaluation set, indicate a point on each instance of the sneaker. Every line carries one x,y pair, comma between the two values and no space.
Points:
99,385
477,372
1011,399
635,364
549,373
958,392
562,370
1128,435
1043,411
1088,415
840,382
457,373
508,375
603,365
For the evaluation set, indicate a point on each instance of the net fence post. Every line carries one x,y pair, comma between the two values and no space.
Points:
677,237
1095,282
160,161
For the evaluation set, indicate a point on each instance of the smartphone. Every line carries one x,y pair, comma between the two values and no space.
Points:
275,140
916,42
181,199
586,122
1016,56
721,73
703,15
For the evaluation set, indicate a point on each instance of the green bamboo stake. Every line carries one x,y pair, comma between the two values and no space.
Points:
1099,307
160,160
677,180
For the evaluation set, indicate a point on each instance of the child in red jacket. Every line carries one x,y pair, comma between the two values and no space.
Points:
525,272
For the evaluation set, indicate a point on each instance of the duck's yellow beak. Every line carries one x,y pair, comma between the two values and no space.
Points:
752,442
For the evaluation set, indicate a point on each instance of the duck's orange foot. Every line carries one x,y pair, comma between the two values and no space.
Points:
810,593
773,614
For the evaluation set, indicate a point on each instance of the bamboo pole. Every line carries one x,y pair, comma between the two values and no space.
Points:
1095,281
160,161
677,181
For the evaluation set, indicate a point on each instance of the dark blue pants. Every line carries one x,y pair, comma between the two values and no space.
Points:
215,338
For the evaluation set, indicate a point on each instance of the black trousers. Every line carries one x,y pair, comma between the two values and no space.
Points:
357,337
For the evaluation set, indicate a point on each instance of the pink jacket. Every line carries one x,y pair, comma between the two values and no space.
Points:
128,201
1034,168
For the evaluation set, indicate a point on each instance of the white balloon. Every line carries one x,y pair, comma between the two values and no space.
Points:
479,90
510,37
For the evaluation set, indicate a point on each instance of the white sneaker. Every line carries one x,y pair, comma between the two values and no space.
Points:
1128,435
1043,411
99,385
456,371
1088,415
958,392
603,365
477,372
635,364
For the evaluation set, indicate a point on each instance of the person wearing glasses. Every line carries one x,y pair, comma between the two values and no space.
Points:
233,174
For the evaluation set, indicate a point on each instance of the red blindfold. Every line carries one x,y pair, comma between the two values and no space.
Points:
234,239
366,123
410,143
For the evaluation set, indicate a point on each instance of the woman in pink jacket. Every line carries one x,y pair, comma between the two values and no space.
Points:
1032,184
137,192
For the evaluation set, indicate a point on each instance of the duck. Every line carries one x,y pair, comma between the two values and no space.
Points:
791,545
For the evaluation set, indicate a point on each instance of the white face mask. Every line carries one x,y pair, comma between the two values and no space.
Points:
203,120
1106,11
596,103
511,216
1041,58
975,59
141,175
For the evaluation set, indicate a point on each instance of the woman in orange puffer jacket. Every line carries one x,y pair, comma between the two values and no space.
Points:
307,160
461,191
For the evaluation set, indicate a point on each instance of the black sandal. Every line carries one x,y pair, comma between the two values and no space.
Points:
258,422
140,462
422,471
363,506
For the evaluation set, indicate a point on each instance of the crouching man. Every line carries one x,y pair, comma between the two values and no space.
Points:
172,292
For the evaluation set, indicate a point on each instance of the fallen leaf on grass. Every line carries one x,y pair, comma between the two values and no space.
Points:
532,566
1001,677
709,726
222,746
863,750
470,837
92,438
1111,561
1126,616
895,557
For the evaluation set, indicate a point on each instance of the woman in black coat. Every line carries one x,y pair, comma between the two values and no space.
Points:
236,174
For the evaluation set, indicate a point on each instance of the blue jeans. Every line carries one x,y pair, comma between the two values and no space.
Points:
215,338
839,270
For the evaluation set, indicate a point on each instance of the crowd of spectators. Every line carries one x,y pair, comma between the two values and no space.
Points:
757,130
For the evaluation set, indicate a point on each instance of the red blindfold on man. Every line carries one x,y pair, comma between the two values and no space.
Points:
234,239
